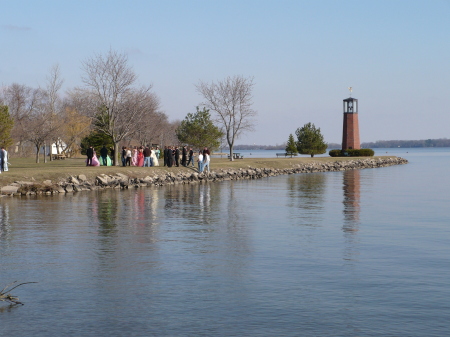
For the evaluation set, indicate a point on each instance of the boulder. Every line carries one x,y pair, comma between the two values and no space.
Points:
60,189
82,178
102,180
9,189
74,180
122,176
77,188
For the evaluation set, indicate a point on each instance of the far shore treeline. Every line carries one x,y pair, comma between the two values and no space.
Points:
442,142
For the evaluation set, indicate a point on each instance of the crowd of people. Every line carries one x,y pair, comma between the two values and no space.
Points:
3,160
149,156
173,157
140,156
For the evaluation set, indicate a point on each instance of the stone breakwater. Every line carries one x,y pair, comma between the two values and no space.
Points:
80,183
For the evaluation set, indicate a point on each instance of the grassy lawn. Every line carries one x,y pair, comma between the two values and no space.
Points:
25,169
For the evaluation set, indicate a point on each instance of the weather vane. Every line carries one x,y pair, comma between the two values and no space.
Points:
350,89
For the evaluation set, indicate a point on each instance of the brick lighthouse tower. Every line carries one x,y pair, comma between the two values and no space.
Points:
350,134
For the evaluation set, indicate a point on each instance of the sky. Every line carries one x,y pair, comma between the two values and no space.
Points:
303,56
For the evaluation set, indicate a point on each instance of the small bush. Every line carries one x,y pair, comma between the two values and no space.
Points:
352,153
335,153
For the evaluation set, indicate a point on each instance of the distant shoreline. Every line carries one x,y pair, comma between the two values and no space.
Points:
379,144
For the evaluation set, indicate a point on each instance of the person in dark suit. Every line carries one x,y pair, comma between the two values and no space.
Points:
191,157
184,156
123,156
166,156
104,155
177,156
2,160
90,155
169,156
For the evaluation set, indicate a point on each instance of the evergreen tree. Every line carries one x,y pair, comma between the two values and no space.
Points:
291,146
96,139
198,130
6,125
310,140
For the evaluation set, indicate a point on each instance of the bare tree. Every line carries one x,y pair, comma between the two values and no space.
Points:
231,99
54,107
109,81
22,101
152,125
76,127
41,124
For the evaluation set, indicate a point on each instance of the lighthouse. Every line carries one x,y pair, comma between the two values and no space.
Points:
350,133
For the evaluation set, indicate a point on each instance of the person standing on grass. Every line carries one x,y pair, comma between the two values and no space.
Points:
104,155
206,160
2,160
177,156
90,155
5,159
140,161
200,161
183,156
153,158
128,157
191,157
134,156
124,156
147,153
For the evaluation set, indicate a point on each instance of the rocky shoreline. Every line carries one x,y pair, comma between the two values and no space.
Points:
80,183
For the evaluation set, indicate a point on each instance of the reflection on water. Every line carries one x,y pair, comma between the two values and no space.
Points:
238,258
5,226
105,208
306,192
352,208
352,188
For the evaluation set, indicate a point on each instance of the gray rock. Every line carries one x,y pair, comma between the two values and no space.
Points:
60,189
21,183
77,188
82,178
74,180
9,189
69,188
102,180
122,176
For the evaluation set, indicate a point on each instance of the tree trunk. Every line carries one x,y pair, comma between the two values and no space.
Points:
116,153
45,152
231,145
38,147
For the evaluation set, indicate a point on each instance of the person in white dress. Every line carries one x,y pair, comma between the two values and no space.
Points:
154,157
206,160
5,159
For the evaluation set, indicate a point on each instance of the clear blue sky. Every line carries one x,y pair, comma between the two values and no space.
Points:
302,54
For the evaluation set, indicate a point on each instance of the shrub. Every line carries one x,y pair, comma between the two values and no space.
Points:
352,153
335,153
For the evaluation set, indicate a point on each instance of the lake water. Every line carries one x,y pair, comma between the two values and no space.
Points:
356,253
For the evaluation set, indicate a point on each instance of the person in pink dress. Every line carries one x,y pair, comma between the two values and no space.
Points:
134,156
95,161
140,157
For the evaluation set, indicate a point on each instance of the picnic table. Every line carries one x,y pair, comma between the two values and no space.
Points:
59,156
285,154
236,156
